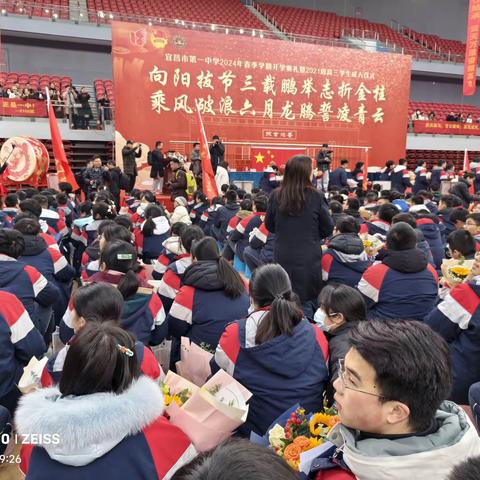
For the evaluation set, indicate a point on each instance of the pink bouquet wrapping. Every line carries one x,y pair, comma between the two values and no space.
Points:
195,362
212,412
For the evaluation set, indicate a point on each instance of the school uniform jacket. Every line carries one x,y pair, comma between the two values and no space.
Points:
142,314
421,180
400,178
280,373
27,284
379,227
208,218
432,234
457,320
263,241
345,260
53,370
240,236
196,212
201,309
172,251
122,436
19,341
151,246
404,286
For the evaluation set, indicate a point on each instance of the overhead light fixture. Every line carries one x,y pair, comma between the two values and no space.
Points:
20,9
193,25
3,11
81,14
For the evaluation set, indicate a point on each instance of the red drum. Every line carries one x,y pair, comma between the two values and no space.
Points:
28,160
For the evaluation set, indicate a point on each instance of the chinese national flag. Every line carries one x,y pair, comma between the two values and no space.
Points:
208,177
262,157
64,171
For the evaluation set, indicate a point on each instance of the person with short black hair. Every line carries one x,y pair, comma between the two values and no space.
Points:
196,164
217,152
390,395
462,188
381,225
472,224
467,470
400,177
200,205
11,205
130,152
404,285
152,233
237,459
461,245
209,216
344,260
422,181
275,346
178,181
157,160
224,214
104,414
339,177
96,176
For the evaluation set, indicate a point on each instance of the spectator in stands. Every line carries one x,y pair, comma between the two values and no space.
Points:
275,346
469,118
3,91
85,110
401,177
237,459
298,216
462,188
19,342
451,117
130,152
417,115
25,94
340,307
70,100
156,160
14,91
118,415
404,285
431,116
212,295
391,426
338,178
344,261
217,152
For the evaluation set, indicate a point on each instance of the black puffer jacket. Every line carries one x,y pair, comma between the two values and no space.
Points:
349,243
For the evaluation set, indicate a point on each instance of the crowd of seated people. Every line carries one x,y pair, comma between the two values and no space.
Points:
373,323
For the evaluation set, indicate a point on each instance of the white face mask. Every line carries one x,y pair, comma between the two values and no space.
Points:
319,318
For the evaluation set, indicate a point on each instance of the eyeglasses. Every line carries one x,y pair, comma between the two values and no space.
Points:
346,382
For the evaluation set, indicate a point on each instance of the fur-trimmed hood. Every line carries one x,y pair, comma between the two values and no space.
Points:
88,426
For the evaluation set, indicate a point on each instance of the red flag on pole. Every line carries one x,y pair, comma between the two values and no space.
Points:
64,171
365,171
466,162
208,178
471,48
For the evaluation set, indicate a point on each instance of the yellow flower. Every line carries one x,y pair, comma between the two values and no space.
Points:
320,421
167,398
315,442
460,272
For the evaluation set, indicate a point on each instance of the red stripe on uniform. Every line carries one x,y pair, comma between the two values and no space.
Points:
322,341
185,297
375,274
172,279
327,260
466,297
155,305
433,271
11,309
230,343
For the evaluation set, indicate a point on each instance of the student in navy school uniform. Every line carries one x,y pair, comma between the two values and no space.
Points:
212,295
154,231
200,205
143,312
421,177
96,302
275,352
25,281
173,277
404,285
209,216
381,225
224,214
345,260
431,229
108,418
260,249
19,342
400,177
11,205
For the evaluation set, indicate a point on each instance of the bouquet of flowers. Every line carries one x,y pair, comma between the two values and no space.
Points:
194,364
32,373
371,243
207,414
295,433
456,272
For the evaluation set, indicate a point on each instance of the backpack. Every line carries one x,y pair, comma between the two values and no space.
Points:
191,183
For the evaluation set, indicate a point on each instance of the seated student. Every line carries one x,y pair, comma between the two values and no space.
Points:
422,244
107,416
209,216
107,232
345,260
429,226
96,302
180,212
173,277
19,342
275,353
92,252
457,320
211,296
154,230
404,285
11,205
239,238
417,205
200,205
237,459
143,312
447,205
335,209
51,217
472,225
224,214
260,248
269,180
371,198
47,260
25,281
467,470
352,209
66,188
172,251
428,200
390,395
383,221
340,308
461,245
63,206
458,217
32,206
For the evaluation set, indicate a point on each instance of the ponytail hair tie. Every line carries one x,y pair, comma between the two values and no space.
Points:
124,256
124,350
279,296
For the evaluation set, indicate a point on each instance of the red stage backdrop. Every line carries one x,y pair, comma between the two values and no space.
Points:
258,91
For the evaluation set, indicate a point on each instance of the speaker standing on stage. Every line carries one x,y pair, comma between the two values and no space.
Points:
129,154
324,159
156,160
217,152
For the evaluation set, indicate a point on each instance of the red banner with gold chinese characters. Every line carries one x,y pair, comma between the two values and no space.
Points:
471,48
14,107
256,91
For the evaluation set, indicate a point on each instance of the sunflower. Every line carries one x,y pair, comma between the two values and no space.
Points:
320,421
